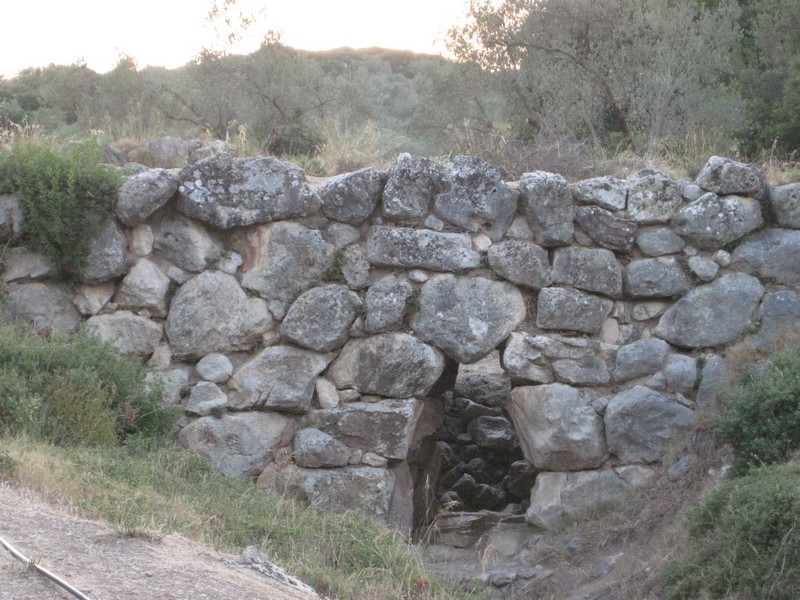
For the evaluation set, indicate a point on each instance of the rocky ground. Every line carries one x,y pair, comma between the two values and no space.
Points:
104,562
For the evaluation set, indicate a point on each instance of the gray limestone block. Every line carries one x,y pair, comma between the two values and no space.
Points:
640,423
656,278
712,314
558,428
521,262
412,183
725,176
423,248
659,241
588,269
640,358
226,192
784,201
571,310
772,255
467,317
712,221
396,365
606,192
606,229
352,197
143,194
549,205
477,197
652,197
321,317
279,378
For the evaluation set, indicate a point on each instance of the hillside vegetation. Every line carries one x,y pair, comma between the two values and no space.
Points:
557,85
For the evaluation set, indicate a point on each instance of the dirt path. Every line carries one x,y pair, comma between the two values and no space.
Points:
95,559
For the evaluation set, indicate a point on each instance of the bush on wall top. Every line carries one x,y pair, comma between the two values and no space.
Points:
66,196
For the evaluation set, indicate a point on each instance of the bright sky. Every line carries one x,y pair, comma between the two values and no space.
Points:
169,32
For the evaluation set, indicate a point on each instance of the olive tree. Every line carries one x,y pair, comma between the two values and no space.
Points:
640,68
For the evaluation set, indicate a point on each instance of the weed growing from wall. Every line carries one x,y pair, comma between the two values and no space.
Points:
66,196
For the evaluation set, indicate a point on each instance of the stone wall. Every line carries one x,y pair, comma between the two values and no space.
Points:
311,329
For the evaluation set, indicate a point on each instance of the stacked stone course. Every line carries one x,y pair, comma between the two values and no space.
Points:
314,333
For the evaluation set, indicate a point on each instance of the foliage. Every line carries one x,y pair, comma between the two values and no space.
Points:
66,196
745,540
637,69
75,392
770,77
761,416
344,556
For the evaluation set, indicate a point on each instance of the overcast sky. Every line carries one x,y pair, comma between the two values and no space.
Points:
36,33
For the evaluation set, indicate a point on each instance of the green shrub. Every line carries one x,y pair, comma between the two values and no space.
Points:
78,391
745,540
79,410
66,197
761,416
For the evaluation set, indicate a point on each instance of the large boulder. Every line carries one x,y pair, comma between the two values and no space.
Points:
521,262
784,201
712,314
606,229
186,243
48,308
606,192
226,192
386,301
558,497
396,365
652,197
543,359
166,153
238,444
129,333
284,260
107,254
143,194
778,312
19,263
477,197
412,183
558,428
212,313
640,423
281,378
315,449
725,176
656,278
467,317
352,197
571,310
548,202
365,489
771,255
410,248
144,287
659,241
640,358
388,428
321,317
712,221
588,269
484,381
